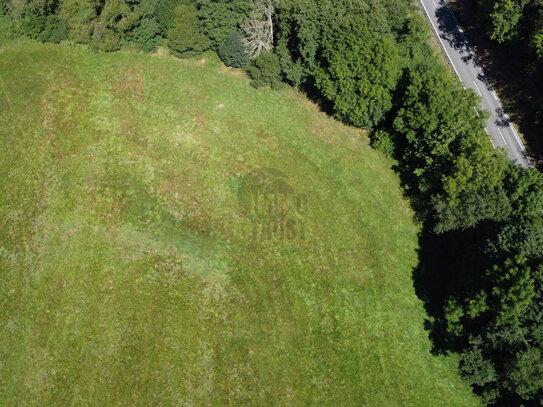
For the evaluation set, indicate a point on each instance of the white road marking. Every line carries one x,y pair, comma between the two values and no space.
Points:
434,3
510,124
514,132
491,141
501,134
517,137
439,38
478,90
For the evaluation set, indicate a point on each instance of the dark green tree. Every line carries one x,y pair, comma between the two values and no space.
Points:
113,25
446,158
505,18
358,74
49,28
164,13
525,190
185,37
147,35
221,18
505,294
81,17
345,53
523,236
232,52
265,70
477,368
384,142
524,373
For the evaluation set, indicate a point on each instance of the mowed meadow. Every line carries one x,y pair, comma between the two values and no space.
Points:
127,273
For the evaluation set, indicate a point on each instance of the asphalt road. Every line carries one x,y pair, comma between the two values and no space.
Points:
499,127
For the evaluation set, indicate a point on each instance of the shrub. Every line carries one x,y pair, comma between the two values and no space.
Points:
81,16
476,368
44,28
32,26
7,29
221,18
105,39
164,14
383,142
55,30
232,52
115,21
266,70
146,36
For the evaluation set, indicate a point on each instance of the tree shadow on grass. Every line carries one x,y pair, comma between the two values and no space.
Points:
450,265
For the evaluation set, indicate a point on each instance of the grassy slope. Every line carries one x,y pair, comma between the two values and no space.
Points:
126,275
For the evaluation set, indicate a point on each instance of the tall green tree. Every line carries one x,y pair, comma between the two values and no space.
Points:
81,17
345,53
525,190
185,37
113,25
505,18
524,374
221,18
358,73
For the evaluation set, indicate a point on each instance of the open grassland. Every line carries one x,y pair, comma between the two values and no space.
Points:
127,276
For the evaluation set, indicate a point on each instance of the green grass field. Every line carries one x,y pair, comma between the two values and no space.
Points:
128,276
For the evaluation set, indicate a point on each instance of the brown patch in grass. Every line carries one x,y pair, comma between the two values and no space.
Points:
133,83
200,123
59,119
48,119
127,84
115,213
162,52
233,72
131,131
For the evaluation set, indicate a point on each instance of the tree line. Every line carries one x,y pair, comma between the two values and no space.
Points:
369,64
508,20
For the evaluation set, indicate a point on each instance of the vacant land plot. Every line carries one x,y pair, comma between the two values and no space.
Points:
128,270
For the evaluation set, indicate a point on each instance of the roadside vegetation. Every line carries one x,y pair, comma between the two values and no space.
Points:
509,39
369,64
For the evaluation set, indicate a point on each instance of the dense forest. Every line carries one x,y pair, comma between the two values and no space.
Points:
508,20
369,63
519,27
